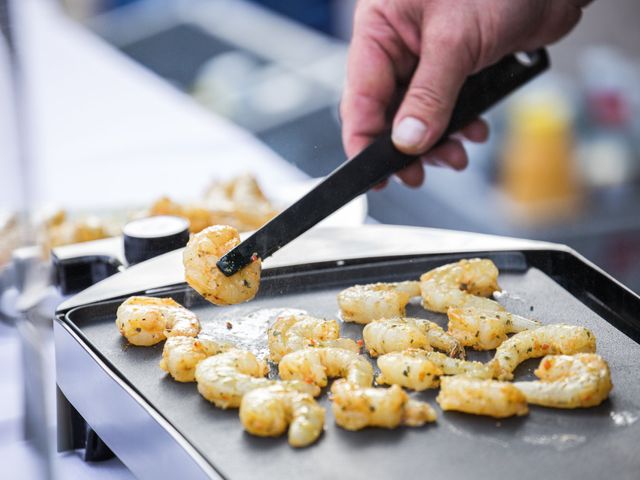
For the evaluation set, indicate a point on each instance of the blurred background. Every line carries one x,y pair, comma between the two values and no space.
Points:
224,111
132,108
563,162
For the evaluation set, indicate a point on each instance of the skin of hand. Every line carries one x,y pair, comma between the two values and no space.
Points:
428,48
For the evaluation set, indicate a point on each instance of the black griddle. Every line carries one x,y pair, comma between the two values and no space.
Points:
552,286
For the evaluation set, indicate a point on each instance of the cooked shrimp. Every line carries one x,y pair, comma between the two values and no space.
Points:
201,272
545,340
397,334
146,321
481,397
355,407
315,365
365,303
180,355
569,381
225,378
267,412
460,284
419,370
485,329
295,332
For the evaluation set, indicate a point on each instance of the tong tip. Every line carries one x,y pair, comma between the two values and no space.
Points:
232,262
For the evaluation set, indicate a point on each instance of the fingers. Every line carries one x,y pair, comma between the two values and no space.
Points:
369,88
450,154
477,131
413,175
424,113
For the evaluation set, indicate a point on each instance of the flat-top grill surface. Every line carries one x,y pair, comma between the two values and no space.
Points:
599,442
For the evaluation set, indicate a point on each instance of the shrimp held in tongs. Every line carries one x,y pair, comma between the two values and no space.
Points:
145,321
483,329
366,303
295,332
397,334
181,355
464,283
419,370
315,365
569,381
267,412
546,340
225,378
355,407
481,397
201,272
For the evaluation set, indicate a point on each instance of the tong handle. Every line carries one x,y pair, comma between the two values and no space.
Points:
381,159
478,94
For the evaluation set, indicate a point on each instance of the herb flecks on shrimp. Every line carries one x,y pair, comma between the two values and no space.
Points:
201,272
397,334
464,283
366,303
569,381
145,321
556,339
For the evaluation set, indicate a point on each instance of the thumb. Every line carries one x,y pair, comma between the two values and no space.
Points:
426,108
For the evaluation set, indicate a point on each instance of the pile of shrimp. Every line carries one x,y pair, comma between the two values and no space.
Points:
571,374
411,353
238,202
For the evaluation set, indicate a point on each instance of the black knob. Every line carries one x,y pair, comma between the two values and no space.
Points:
149,237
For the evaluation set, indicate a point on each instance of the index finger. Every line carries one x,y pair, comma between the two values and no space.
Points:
368,92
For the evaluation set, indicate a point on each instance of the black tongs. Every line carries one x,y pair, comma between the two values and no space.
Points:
381,159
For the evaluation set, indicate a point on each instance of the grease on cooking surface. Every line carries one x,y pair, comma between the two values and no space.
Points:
558,441
249,331
623,418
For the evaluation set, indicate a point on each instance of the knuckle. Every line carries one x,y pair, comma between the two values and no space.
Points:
427,97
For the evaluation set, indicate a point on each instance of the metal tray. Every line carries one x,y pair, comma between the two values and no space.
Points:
552,286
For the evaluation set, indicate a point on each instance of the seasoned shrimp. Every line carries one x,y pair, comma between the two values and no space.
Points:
355,407
201,272
225,378
485,329
481,397
180,355
365,303
419,370
569,381
545,340
295,332
267,412
315,365
146,321
397,334
460,284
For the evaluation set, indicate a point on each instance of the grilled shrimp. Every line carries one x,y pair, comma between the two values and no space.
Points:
267,412
481,397
295,332
419,370
146,321
355,407
365,303
225,378
569,381
180,355
463,283
315,365
201,272
545,340
485,329
397,334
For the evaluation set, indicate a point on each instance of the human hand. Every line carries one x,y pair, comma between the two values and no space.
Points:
430,47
